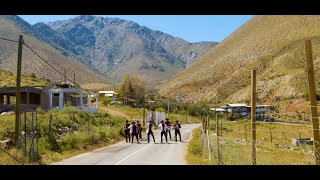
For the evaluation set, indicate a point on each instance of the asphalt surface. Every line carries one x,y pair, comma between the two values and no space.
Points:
124,153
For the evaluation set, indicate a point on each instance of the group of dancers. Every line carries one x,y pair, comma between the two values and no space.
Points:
135,130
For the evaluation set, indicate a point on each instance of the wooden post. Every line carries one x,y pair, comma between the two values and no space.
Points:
32,140
245,131
110,122
270,135
208,143
72,122
313,100
100,124
144,117
37,135
50,122
253,115
299,135
218,144
18,95
221,128
88,126
25,134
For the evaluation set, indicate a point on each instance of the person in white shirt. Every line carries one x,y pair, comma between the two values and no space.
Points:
134,131
163,130
168,127
149,131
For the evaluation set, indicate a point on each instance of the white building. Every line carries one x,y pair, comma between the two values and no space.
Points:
108,93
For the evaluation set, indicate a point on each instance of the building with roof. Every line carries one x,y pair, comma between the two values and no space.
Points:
53,96
244,110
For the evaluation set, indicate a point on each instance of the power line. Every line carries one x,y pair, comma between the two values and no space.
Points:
51,65
8,39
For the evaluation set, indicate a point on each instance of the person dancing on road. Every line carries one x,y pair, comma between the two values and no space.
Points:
149,131
177,128
134,131
127,131
140,130
168,127
163,130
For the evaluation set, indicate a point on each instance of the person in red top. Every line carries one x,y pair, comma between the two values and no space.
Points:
177,128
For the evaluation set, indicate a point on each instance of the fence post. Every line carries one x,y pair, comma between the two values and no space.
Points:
37,135
72,122
100,124
218,144
221,128
32,140
18,94
299,135
25,134
110,122
245,131
89,126
50,122
253,115
270,135
208,142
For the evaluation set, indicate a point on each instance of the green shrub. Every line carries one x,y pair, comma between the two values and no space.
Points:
70,142
195,145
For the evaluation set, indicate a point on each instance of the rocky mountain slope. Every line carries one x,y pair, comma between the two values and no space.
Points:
116,47
274,45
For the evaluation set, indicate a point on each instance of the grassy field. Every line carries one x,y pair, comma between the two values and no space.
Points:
64,143
282,134
9,79
195,154
236,147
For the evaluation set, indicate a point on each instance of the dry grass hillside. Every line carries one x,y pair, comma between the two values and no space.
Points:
11,27
274,45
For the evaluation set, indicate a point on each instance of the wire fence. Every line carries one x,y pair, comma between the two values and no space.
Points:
276,144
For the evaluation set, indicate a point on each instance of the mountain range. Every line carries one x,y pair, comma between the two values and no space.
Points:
273,45
108,48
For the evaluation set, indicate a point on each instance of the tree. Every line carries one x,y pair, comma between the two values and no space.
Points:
106,100
132,87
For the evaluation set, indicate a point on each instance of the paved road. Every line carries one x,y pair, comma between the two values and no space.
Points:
124,153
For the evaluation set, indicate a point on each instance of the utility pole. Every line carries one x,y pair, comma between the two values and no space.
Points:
74,80
18,99
313,100
144,117
253,115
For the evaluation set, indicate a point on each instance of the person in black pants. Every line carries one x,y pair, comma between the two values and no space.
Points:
134,131
177,128
168,127
140,130
163,131
127,131
149,131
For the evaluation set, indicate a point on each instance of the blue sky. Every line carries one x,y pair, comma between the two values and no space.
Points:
193,28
